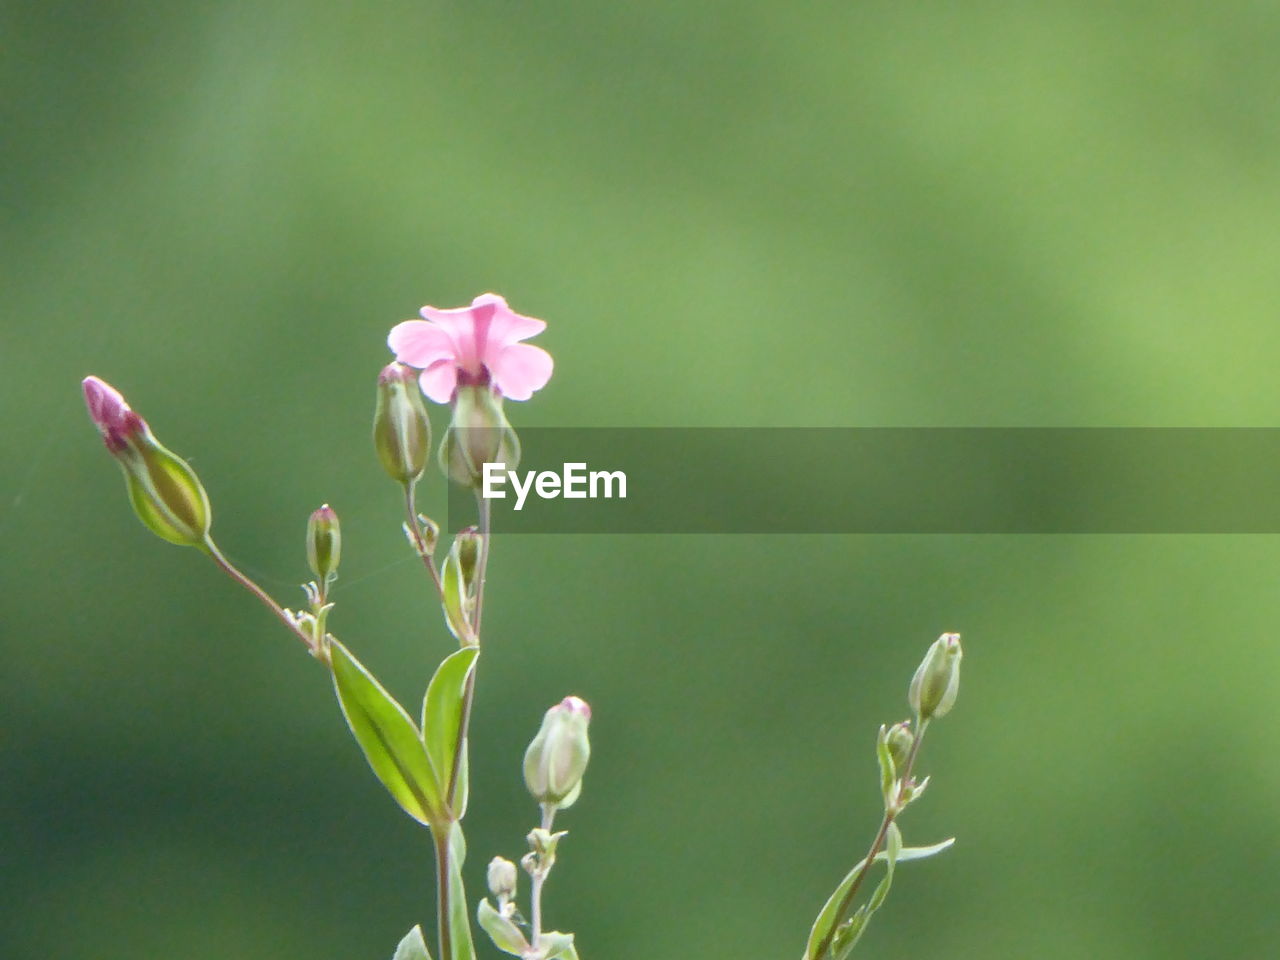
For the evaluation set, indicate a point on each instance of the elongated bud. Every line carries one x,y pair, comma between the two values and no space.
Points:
557,757
502,877
900,740
937,680
479,433
468,543
165,492
324,543
401,429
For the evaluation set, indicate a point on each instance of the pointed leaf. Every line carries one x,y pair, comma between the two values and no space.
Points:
459,915
412,947
502,930
442,718
453,592
888,772
893,848
827,917
387,736
558,946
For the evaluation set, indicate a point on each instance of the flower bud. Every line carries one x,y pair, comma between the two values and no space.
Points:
401,430
324,544
165,492
479,433
502,880
557,757
900,740
937,680
468,543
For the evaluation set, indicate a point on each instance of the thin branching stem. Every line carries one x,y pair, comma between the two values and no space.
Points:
232,571
415,528
539,879
890,815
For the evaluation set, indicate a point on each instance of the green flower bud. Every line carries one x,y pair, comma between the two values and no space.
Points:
937,680
324,544
468,543
165,492
900,740
479,433
502,877
557,757
401,430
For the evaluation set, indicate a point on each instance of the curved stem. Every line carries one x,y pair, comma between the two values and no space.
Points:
241,578
890,815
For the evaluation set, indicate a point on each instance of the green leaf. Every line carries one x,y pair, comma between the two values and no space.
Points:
459,915
888,773
453,592
849,933
388,737
559,946
412,947
827,918
502,930
442,720
893,848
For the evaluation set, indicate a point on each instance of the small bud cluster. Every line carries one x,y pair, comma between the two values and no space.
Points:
554,766
932,694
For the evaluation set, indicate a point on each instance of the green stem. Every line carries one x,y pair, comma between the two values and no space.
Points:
428,561
241,578
539,878
469,693
443,931
890,814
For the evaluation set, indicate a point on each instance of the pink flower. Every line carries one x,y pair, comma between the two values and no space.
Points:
109,412
473,345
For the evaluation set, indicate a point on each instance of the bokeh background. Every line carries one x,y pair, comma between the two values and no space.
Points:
731,214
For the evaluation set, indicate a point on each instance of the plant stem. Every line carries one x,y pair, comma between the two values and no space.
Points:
482,567
469,693
443,852
539,878
241,578
443,906
428,561
890,814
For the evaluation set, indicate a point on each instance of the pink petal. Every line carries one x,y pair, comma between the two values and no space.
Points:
420,344
520,369
439,380
506,326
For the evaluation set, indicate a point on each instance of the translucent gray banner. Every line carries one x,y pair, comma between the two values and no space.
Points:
888,480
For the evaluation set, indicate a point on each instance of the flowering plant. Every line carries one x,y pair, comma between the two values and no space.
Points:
473,359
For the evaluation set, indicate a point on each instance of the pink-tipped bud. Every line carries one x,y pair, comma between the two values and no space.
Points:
110,413
557,758
165,492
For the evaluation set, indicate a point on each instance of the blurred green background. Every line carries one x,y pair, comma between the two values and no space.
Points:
730,214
